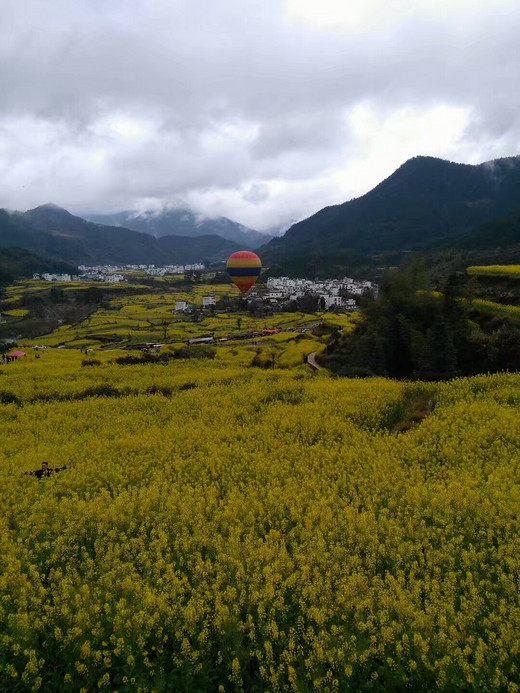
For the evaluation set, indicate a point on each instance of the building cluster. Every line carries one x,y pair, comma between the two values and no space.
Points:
331,292
90,276
172,269
153,270
110,274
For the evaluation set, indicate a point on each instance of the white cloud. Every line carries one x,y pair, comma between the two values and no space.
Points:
259,111
375,15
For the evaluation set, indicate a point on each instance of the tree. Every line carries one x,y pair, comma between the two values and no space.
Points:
407,332
91,295
165,326
56,294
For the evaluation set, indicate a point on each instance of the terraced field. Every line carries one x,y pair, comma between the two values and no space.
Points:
223,527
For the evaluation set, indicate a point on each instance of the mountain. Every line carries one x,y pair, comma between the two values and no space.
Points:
16,263
53,232
498,233
181,221
206,249
427,202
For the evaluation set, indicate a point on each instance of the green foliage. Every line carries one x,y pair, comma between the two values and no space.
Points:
7,397
409,332
16,263
427,202
83,242
201,351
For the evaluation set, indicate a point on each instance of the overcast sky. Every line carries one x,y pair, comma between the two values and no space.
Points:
261,110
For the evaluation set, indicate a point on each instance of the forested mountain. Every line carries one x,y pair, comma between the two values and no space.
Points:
182,221
426,203
16,263
498,233
53,232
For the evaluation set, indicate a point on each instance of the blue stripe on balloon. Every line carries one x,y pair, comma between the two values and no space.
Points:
244,271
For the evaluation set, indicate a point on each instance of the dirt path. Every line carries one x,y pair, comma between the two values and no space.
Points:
311,360
416,409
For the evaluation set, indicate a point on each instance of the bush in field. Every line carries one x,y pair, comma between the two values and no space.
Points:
194,352
131,360
9,398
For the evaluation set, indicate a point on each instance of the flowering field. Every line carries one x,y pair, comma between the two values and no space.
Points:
231,528
506,271
149,317
494,308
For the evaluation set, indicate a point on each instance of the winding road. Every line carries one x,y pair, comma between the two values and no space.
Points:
311,360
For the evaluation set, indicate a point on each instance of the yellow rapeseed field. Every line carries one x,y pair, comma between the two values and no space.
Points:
511,271
225,528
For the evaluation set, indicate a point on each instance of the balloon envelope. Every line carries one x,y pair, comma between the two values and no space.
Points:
244,267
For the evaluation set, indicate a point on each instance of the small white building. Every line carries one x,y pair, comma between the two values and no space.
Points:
181,306
208,301
56,277
331,301
114,278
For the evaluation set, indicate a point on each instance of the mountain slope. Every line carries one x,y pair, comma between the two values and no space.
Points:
52,231
207,249
425,202
498,233
16,263
182,221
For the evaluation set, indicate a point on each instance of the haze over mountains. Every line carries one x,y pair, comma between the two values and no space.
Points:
427,204
51,231
181,221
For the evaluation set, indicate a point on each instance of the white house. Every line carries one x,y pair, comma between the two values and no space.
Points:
208,301
181,306
56,277
114,278
332,301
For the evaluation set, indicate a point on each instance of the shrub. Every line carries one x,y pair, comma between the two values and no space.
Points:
7,397
194,352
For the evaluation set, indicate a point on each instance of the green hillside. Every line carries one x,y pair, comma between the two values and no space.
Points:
53,232
426,204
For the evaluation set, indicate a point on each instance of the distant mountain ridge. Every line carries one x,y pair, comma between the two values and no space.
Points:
426,205
426,202
54,232
182,221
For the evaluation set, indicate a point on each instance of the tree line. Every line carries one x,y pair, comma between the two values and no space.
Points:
412,332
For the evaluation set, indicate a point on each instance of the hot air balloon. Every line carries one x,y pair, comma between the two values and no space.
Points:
244,267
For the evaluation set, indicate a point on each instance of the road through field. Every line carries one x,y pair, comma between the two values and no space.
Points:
311,360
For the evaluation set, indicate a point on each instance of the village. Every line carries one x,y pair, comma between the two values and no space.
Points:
278,292
111,274
331,293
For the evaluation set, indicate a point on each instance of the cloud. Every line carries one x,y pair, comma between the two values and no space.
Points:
259,111
256,193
